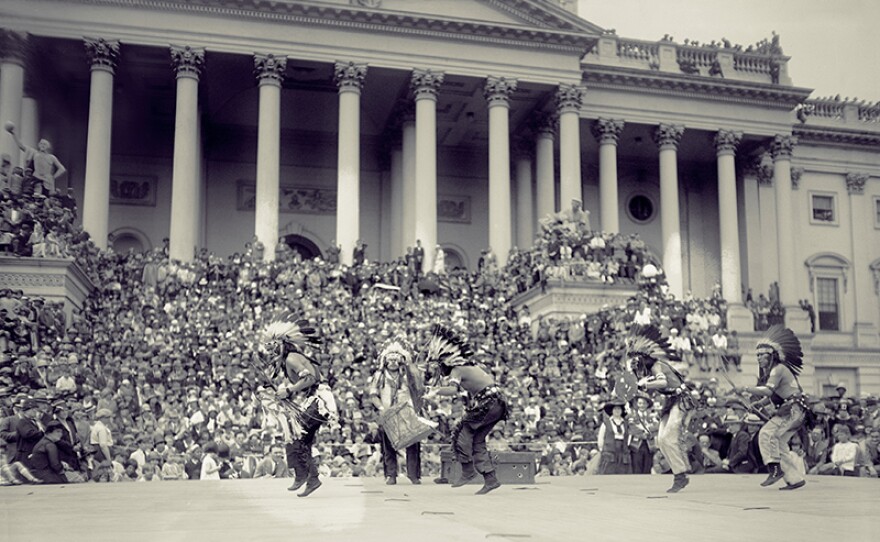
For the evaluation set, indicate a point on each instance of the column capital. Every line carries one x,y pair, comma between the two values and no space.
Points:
570,98
102,53
855,182
187,61
14,46
349,76
782,146
668,135
796,173
607,131
498,90
269,68
426,83
545,125
726,141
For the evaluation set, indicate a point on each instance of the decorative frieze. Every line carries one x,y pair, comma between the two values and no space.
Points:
349,76
855,182
426,83
187,61
13,46
102,54
726,141
269,68
607,130
569,98
498,90
668,135
782,147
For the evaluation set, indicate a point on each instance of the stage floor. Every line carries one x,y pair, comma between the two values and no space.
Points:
712,508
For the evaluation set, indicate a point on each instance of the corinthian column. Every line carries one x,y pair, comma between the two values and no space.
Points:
545,176
667,137
425,84
188,62
103,56
407,117
738,317
781,150
269,71
607,132
569,99
525,219
13,52
350,80
864,328
497,92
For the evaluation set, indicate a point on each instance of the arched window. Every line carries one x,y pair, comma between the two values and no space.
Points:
302,246
129,239
828,282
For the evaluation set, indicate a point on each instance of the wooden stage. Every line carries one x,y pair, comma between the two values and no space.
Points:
714,508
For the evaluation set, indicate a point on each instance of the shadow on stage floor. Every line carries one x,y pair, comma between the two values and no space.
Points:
713,508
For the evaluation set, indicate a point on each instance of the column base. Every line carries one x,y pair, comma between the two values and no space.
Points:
866,335
740,319
797,320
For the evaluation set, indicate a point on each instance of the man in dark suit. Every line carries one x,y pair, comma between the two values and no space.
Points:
27,432
418,256
739,459
69,444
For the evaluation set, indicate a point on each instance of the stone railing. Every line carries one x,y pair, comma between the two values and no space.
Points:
847,111
707,61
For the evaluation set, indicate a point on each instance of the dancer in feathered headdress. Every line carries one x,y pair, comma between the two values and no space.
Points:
648,354
449,356
780,360
397,381
301,402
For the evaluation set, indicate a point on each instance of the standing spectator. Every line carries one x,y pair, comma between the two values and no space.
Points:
100,436
643,428
614,441
210,463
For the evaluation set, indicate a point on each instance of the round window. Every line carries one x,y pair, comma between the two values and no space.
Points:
641,208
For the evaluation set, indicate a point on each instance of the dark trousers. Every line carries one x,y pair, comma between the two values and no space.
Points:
469,438
642,459
413,459
299,452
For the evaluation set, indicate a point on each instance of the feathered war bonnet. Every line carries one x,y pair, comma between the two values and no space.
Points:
645,346
393,347
296,334
785,343
446,350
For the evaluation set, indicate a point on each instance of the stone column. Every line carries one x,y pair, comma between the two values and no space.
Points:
350,80
188,62
667,137
408,189
607,132
525,219
13,53
781,150
545,175
269,71
30,121
497,92
425,84
738,316
568,103
396,218
103,56
861,221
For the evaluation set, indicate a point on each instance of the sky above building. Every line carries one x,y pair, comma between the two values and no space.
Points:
832,44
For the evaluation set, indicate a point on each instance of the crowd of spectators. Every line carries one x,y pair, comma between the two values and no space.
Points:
156,378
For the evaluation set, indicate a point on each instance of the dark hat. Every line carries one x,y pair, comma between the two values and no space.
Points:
641,396
53,425
609,406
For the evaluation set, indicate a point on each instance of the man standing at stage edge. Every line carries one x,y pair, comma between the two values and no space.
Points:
397,380
448,358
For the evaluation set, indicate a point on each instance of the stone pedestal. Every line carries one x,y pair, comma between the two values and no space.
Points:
567,299
740,319
53,279
797,320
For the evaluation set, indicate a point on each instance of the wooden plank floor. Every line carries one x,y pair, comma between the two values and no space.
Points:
713,508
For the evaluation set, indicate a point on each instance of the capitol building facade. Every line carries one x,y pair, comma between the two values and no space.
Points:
459,124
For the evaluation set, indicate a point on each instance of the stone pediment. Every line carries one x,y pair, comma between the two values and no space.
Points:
532,23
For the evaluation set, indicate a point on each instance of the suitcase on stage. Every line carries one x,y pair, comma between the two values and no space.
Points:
510,467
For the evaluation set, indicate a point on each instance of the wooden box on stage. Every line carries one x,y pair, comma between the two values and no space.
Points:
510,467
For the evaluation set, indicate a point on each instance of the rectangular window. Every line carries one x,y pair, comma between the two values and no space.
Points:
823,209
829,307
